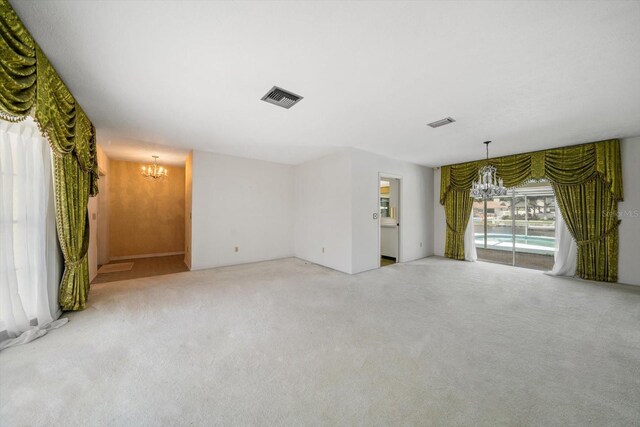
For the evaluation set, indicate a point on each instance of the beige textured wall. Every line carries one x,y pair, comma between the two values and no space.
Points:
145,216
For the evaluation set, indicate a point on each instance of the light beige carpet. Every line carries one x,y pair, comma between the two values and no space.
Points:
432,342
114,268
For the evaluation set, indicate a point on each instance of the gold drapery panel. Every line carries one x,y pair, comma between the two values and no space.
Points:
590,212
72,195
458,208
587,179
29,85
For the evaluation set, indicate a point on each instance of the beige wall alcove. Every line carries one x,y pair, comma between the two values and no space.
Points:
146,216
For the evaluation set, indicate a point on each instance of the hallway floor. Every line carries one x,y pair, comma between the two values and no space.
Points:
145,267
385,261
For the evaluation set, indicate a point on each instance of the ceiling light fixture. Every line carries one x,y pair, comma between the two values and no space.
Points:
154,171
488,184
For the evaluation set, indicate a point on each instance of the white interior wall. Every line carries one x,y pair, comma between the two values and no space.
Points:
415,213
629,211
98,219
253,205
103,207
389,241
323,211
240,203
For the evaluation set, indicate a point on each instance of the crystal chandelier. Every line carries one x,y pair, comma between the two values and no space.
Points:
154,171
488,184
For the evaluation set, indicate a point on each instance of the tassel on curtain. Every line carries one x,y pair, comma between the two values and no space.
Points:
587,180
29,85
590,212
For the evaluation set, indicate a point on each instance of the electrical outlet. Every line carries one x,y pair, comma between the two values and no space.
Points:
322,250
375,215
420,244
237,248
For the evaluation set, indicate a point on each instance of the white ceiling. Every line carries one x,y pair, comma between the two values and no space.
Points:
527,75
120,148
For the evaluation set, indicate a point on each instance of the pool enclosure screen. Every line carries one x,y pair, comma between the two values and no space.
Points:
519,228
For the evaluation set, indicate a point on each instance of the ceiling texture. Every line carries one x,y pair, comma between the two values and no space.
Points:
179,75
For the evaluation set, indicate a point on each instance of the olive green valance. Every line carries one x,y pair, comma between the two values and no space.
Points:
30,86
564,166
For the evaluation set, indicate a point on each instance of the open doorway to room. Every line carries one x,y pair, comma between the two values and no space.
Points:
140,218
389,222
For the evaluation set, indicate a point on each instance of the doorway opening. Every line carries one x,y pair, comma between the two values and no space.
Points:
389,219
138,220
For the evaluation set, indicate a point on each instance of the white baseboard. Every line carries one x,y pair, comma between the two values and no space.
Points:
118,258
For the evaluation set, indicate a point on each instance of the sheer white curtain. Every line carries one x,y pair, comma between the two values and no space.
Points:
566,252
470,252
28,282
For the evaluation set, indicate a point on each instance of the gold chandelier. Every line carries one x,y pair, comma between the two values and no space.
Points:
154,171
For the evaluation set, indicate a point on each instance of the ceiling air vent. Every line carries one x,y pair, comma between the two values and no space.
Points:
282,98
442,122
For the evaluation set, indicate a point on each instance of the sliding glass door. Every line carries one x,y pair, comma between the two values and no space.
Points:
517,229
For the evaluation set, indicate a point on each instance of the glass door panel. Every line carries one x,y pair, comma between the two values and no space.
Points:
517,229
535,228
494,240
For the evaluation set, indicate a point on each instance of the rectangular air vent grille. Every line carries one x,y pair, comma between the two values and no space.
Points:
282,98
442,122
